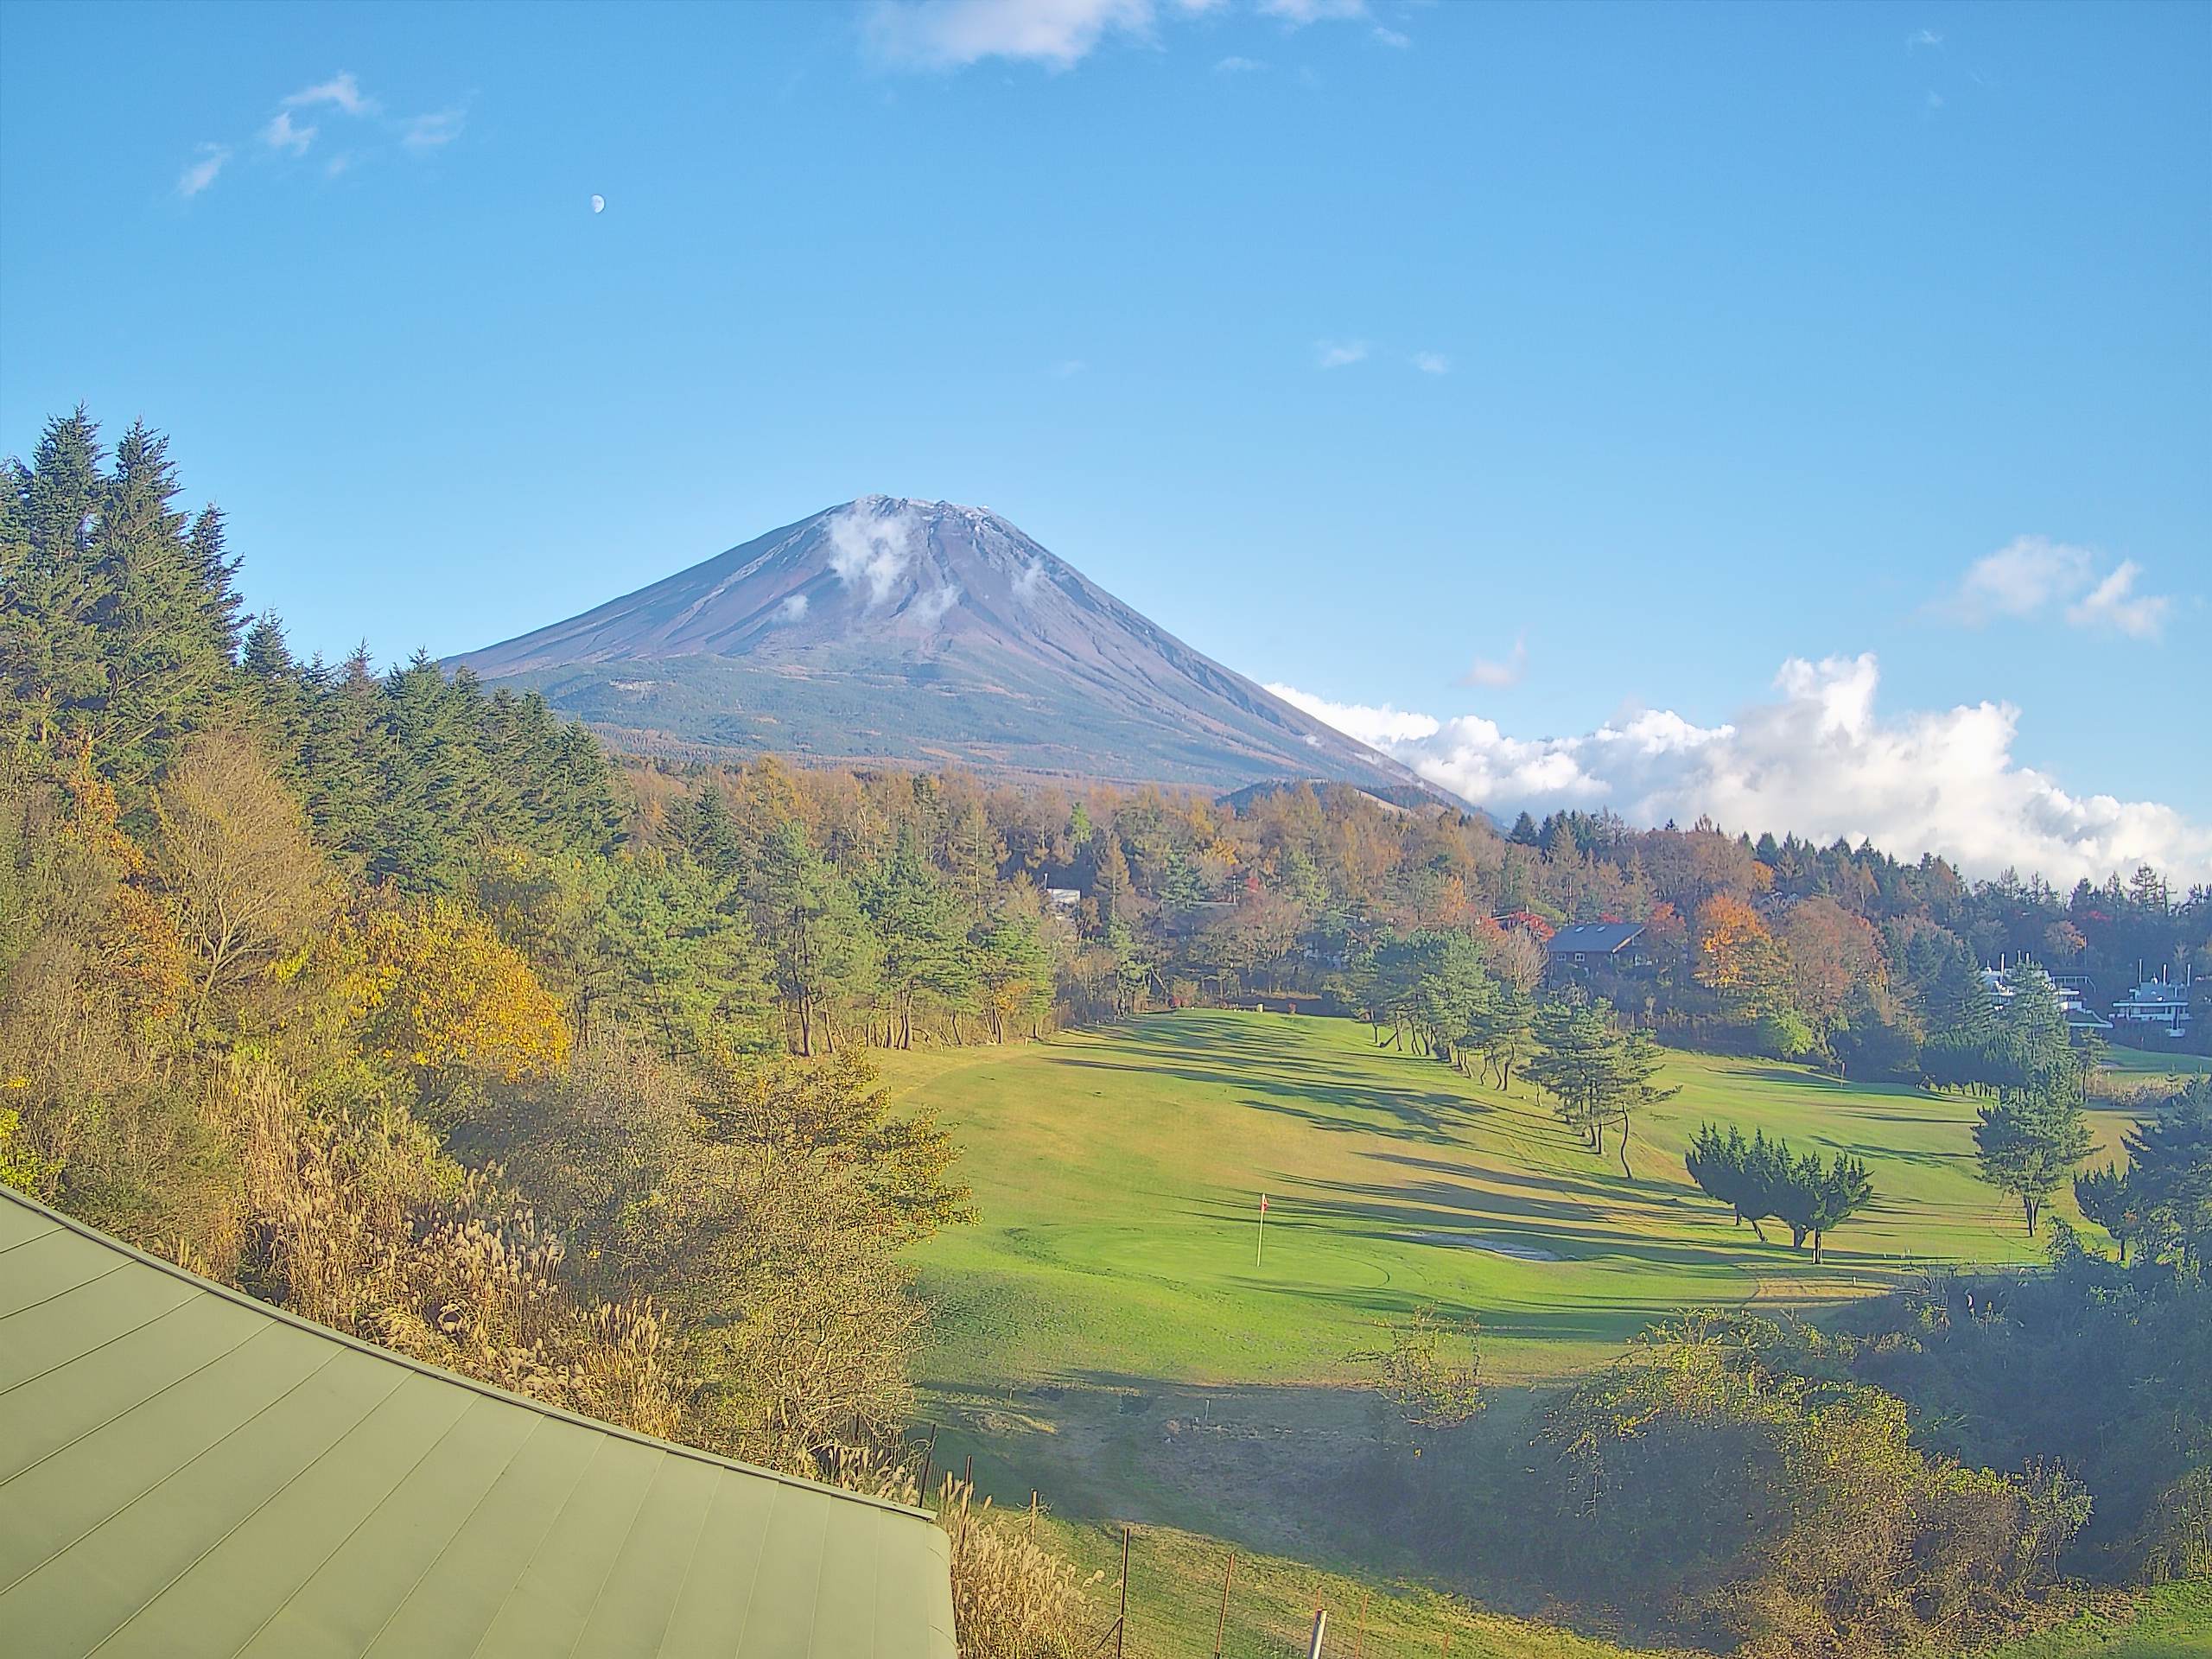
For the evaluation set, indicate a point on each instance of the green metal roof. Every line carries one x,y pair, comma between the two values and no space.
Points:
185,1470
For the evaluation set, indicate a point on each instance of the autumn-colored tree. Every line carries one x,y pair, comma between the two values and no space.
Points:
1734,950
1829,953
438,991
234,861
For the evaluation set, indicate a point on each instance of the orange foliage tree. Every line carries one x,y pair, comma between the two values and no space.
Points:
1735,953
1830,953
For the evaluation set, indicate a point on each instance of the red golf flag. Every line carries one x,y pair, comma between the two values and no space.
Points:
1263,1204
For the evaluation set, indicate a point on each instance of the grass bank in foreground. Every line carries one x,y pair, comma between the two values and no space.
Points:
2171,1622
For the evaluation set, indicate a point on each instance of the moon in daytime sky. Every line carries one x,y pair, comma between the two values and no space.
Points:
599,204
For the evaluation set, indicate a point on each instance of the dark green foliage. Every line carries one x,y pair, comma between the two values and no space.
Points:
1760,1181
118,621
2028,1145
2100,1367
1598,1073
923,935
1729,1480
2103,1196
2169,1182
821,945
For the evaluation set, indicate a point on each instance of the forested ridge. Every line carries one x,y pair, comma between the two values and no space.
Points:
399,1001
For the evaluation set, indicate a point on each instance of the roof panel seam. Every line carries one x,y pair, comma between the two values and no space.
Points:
282,1487
97,1347
115,1514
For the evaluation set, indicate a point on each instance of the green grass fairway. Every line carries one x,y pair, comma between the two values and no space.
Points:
2137,1061
1117,1176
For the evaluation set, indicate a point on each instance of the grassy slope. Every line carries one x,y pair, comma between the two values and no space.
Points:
1117,1175
2172,1622
1175,1590
1105,1336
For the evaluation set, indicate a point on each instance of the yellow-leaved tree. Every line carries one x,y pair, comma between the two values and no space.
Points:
440,993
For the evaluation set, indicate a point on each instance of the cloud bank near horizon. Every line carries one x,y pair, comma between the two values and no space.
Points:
1816,758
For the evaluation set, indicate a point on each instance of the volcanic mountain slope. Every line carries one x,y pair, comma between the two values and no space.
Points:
923,632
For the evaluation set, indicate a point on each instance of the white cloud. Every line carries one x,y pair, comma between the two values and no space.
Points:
1378,726
1298,13
1914,41
1432,362
1392,38
1510,671
1059,33
2032,575
1028,579
871,549
1234,65
2112,603
201,173
1337,353
281,134
1068,367
949,34
341,91
792,608
1816,758
421,134
2019,579
928,607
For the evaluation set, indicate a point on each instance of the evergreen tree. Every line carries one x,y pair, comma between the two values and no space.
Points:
822,945
1812,1198
2169,1173
2028,1144
924,936
2103,1195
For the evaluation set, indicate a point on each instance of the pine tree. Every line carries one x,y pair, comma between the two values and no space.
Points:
2029,1144
925,938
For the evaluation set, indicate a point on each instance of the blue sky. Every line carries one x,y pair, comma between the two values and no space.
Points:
1632,353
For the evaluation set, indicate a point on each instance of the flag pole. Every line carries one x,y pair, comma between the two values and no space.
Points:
1259,1254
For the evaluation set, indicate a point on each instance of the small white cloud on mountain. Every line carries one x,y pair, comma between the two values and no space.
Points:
929,607
872,549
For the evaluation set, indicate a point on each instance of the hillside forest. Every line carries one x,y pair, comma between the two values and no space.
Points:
401,1002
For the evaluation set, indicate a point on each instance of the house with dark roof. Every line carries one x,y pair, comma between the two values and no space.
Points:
1572,952
186,1471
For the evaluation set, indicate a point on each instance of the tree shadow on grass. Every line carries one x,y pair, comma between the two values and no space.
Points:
1357,1110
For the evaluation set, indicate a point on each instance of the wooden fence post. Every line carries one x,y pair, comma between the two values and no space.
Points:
1122,1624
